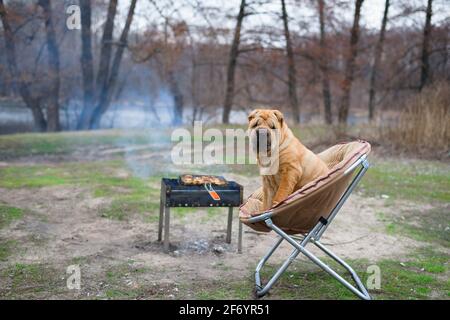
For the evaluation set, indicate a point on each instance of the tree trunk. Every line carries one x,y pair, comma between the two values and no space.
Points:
90,109
87,66
234,52
326,92
425,65
53,123
40,124
446,53
106,94
376,63
350,66
178,99
5,90
18,79
292,76
106,49
195,105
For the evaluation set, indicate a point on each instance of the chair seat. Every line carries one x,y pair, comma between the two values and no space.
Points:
300,211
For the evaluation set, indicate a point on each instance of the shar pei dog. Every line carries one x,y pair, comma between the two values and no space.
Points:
288,164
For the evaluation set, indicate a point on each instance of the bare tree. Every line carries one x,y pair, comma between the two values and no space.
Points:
87,66
18,78
350,66
376,62
106,49
232,62
324,65
292,77
106,94
97,101
425,64
92,97
172,54
177,97
53,62
190,62
166,53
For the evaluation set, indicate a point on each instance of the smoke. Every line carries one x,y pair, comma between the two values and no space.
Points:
142,112
145,151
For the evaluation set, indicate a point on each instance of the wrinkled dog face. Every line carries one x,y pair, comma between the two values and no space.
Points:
265,129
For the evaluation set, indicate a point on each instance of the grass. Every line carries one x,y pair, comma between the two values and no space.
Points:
427,259
406,282
418,181
33,144
422,275
9,214
84,173
220,290
423,124
129,194
6,248
421,181
21,280
31,176
426,225
117,279
136,196
419,277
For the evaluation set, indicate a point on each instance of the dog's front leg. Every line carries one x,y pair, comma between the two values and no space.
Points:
267,192
287,184
267,198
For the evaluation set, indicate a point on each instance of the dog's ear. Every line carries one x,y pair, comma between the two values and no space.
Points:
279,116
252,115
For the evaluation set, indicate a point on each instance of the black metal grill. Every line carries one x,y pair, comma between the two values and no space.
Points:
178,195
175,194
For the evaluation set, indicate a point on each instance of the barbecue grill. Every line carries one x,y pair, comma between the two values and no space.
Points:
176,194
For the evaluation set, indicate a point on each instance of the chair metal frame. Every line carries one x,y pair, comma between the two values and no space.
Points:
313,236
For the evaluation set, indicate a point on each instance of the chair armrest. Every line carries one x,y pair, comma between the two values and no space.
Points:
261,217
361,160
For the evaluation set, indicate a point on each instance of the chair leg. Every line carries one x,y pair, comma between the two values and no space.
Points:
300,247
260,290
314,236
362,292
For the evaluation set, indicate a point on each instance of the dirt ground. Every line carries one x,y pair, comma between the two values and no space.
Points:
64,226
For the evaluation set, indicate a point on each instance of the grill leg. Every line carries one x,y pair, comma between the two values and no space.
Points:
166,229
240,238
162,203
161,220
230,224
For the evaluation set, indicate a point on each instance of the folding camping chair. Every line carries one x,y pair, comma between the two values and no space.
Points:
309,211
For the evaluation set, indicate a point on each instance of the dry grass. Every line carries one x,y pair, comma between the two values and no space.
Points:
423,125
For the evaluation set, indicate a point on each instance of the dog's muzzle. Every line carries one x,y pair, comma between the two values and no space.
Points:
262,140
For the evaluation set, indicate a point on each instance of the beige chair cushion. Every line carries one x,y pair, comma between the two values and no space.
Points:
299,212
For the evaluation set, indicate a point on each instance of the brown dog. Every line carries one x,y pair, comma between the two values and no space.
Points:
296,164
